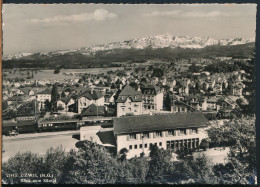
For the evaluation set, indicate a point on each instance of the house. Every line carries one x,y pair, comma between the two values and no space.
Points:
227,106
109,97
28,91
42,97
14,99
94,110
212,103
19,92
168,131
88,97
237,90
199,104
152,98
129,102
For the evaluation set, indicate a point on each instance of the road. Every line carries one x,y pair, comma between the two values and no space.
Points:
38,142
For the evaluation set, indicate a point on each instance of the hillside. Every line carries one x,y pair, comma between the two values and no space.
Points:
165,47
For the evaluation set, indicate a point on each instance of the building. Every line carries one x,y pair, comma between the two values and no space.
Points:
109,98
168,131
152,99
85,99
43,96
64,104
94,110
129,102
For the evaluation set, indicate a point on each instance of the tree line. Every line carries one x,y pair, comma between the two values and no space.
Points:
94,164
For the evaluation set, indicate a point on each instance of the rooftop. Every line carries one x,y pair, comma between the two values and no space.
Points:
131,124
127,92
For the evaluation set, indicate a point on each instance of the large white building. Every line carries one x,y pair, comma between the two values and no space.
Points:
168,131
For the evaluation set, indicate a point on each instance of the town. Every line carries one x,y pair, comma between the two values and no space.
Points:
185,89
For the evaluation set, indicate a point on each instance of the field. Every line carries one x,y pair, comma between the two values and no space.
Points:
64,73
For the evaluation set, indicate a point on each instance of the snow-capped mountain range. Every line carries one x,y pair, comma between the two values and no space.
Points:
159,41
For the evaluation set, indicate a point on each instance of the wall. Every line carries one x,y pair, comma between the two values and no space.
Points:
122,141
129,107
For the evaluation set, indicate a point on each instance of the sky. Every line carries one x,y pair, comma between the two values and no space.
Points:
42,28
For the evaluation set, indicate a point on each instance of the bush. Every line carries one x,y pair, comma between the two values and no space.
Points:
204,144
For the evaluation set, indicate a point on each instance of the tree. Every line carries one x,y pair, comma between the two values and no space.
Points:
57,71
93,165
168,101
157,73
239,136
193,68
123,153
47,105
204,144
159,165
22,163
54,97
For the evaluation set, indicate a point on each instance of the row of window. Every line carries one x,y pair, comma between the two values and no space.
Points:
188,143
129,109
46,125
143,145
148,107
180,109
156,134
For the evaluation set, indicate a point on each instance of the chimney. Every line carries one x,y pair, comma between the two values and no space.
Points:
120,87
91,91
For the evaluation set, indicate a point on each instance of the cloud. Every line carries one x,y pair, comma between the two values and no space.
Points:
194,14
164,13
97,15
202,14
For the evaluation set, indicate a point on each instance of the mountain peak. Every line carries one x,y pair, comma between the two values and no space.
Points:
157,41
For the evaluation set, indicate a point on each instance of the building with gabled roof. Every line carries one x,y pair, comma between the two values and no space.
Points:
87,98
129,102
168,131
94,110
152,98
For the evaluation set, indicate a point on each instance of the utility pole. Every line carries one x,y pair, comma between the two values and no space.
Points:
143,144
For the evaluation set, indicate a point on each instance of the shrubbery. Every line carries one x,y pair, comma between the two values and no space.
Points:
94,164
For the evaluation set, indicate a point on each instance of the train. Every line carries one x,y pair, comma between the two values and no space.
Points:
33,126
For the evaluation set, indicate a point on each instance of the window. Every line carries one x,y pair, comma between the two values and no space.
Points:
158,134
132,136
171,133
145,145
129,108
183,109
194,131
130,147
135,146
182,131
123,109
140,146
160,143
146,135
